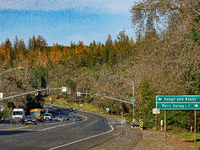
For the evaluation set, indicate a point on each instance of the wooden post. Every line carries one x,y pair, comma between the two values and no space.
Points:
195,120
165,126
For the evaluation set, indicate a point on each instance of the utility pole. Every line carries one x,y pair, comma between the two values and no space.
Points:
133,91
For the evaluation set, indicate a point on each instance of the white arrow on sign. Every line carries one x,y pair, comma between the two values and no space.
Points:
196,105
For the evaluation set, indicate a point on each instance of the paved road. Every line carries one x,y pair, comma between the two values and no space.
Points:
93,131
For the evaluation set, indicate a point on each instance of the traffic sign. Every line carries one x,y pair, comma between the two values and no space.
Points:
133,99
64,89
78,93
1,95
107,109
141,124
2,108
68,90
178,102
156,111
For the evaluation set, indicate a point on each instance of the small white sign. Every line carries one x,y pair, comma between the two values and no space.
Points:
2,108
161,122
64,89
49,98
80,104
1,95
156,111
78,93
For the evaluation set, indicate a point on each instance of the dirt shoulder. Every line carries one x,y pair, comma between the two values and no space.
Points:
154,140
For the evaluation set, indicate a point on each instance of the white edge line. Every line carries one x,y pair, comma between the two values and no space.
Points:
83,139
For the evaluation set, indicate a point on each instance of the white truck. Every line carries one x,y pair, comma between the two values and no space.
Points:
18,115
47,116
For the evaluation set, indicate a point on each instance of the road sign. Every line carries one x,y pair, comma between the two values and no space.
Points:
36,92
68,90
48,90
64,89
78,93
156,111
178,102
107,109
1,95
2,108
49,98
133,99
141,124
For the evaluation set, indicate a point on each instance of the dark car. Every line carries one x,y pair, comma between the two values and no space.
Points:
60,118
54,118
30,119
66,117
58,109
66,109
71,115
71,109
78,118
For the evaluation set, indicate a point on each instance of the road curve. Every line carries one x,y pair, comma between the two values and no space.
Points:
93,131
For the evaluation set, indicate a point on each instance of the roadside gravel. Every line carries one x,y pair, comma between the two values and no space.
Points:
146,139
154,140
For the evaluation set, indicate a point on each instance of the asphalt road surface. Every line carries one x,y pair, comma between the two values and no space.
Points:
87,134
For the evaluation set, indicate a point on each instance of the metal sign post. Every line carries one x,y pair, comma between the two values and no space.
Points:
195,120
161,123
165,127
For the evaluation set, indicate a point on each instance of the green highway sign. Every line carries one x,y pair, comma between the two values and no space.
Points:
133,99
178,102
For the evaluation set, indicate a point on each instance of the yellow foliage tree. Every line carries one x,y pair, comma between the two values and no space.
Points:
55,55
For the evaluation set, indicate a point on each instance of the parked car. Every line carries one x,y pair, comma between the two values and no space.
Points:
71,115
66,109
60,118
66,117
71,109
47,116
54,118
30,119
78,118
58,109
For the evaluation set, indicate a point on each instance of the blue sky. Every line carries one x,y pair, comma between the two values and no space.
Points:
63,21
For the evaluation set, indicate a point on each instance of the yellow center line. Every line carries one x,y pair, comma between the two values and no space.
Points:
83,116
37,125
25,127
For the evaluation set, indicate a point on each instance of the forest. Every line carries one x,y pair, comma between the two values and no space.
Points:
163,60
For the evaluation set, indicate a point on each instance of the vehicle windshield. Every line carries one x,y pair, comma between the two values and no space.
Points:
60,116
46,114
29,117
17,113
35,113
